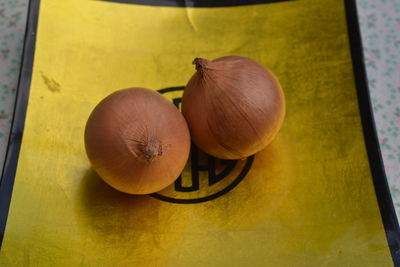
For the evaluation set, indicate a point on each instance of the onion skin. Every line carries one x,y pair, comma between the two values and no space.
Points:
234,106
137,141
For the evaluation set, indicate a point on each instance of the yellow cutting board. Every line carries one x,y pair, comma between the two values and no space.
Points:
308,199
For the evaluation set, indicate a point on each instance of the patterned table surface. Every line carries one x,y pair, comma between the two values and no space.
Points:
380,29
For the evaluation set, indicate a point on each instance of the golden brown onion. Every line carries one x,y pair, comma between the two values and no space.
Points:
137,141
234,106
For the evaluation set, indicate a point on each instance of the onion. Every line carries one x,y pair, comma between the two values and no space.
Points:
137,141
234,106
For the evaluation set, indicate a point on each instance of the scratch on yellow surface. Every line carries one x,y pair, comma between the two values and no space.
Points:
51,84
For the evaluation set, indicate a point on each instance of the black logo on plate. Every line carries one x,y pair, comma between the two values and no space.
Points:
204,177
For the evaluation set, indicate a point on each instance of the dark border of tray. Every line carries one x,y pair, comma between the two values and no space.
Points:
18,121
383,195
382,191
195,3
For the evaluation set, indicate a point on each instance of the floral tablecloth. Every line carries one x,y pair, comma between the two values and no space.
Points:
380,29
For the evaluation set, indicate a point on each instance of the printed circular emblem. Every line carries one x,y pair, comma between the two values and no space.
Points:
204,177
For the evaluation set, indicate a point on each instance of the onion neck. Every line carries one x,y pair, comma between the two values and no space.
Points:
151,149
201,65
147,151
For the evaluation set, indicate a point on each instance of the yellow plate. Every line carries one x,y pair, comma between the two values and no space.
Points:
307,200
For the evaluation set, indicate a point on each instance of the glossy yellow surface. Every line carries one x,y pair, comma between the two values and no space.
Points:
308,199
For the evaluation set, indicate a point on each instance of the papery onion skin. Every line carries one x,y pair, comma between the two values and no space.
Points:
137,141
234,106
